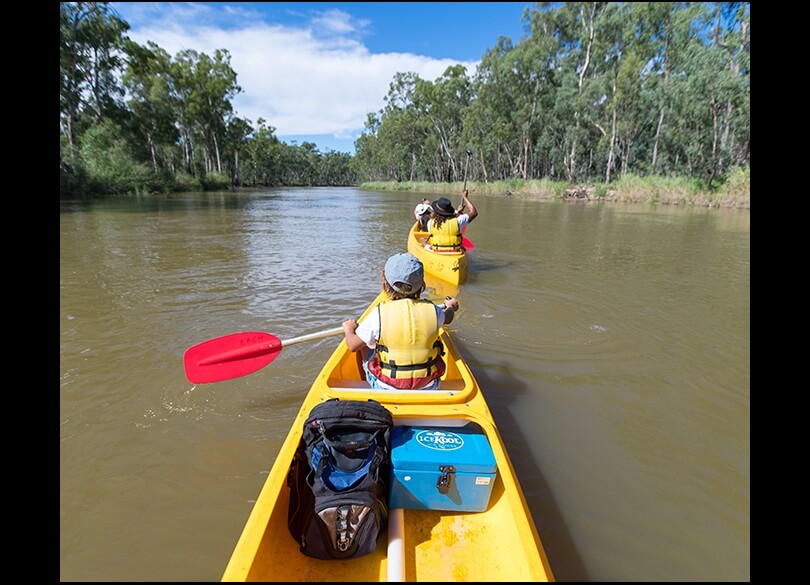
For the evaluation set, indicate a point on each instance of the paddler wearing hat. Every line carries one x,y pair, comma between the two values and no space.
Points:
399,337
447,223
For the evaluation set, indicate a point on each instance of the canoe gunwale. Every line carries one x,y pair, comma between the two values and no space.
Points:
508,545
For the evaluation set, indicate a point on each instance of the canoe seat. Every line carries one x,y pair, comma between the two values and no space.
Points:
454,385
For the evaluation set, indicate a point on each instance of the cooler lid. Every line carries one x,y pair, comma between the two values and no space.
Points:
423,448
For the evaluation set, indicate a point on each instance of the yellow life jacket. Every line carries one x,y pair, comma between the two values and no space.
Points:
447,237
409,353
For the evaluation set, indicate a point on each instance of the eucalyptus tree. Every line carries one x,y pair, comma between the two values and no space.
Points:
615,92
711,96
152,102
91,38
537,64
262,160
205,87
732,127
441,104
237,133
630,115
740,63
402,131
694,108
335,169
516,88
402,139
663,33
488,120
300,164
366,148
575,25
390,150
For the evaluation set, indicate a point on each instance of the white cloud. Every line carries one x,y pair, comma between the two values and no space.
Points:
317,79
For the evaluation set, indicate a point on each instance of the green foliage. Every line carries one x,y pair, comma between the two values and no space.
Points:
73,180
656,189
185,182
594,92
207,182
620,99
628,189
736,191
739,181
109,163
215,182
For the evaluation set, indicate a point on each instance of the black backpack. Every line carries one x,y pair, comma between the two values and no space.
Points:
338,479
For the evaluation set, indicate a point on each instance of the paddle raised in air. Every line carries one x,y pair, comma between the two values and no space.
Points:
468,245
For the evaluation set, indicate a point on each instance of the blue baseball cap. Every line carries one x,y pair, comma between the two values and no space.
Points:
405,273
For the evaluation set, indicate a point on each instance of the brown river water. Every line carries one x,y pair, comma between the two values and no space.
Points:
613,342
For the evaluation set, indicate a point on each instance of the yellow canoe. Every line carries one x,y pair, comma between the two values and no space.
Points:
450,267
498,544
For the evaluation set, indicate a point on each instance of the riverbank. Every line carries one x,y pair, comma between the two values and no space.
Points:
734,193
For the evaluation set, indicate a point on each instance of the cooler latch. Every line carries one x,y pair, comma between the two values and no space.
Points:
443,483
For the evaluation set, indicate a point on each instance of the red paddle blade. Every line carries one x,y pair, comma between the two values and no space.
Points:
230,356
468,245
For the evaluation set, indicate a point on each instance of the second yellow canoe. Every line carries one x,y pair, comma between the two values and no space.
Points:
449,267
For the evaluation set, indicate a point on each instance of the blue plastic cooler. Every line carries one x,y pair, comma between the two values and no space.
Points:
441,468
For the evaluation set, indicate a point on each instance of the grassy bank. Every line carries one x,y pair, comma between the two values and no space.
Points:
735,192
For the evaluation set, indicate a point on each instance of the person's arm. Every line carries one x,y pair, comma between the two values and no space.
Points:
352,340
472,212
449,308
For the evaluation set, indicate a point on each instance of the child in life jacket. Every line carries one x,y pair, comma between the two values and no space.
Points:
400,336
422,213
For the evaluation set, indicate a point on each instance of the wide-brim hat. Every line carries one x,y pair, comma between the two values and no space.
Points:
405,273
443,206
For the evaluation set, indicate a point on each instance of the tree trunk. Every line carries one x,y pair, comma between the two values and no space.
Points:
657,137
152,152
589,26
663,106
216,151
611,150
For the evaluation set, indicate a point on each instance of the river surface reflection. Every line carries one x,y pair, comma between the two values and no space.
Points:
612,343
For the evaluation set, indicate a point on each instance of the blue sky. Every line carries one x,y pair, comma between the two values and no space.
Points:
314,70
